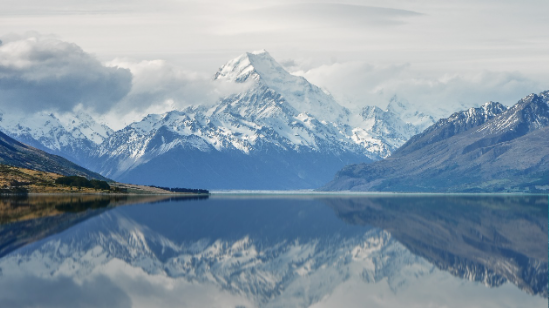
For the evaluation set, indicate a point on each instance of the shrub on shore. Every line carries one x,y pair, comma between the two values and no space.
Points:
82,182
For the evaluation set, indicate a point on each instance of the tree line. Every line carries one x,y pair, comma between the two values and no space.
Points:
183,190
82,182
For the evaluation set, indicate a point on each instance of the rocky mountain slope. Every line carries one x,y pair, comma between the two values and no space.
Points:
18,154
281,133
487,149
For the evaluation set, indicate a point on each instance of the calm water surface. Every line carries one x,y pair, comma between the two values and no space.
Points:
271,251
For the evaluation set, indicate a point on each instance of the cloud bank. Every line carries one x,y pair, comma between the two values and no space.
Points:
157,81
358,84
40,72
159,86
44,73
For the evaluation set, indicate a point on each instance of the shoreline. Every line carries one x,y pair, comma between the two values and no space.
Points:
347,194
360,193
269,193
100,194
276,193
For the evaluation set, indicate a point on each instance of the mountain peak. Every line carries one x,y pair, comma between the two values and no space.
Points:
544,96
256,65
258,52
265,72
533,97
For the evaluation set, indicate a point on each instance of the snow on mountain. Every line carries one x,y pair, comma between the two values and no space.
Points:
276,134
393,126
246,127
71,135
82,125
311,100
279,114
296,90
486,149
415,120
528,114
456,123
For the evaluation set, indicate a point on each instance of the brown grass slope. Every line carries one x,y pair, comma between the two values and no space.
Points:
22,180
18,154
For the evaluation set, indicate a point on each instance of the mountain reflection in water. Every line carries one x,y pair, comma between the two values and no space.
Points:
274,251
27,218
483,238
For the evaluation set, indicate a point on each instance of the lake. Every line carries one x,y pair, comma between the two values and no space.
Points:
273,250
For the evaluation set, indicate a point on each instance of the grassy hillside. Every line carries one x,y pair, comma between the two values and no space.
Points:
18,154
18,180
23,180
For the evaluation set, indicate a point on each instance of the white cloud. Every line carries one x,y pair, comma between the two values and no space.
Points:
310,18
41,72
358,84
156,81
363,52
444,48
159,86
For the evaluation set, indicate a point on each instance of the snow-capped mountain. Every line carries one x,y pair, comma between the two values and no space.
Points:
393,126
485,149
296,91
71,135
282,133
81,125
457,123
416,120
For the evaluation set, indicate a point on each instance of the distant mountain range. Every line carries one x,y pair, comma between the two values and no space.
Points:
281,133
487,149
17,154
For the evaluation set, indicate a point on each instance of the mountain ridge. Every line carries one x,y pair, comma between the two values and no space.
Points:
274,135
480,150
72,135
18,154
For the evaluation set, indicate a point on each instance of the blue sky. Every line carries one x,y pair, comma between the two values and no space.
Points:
151,56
